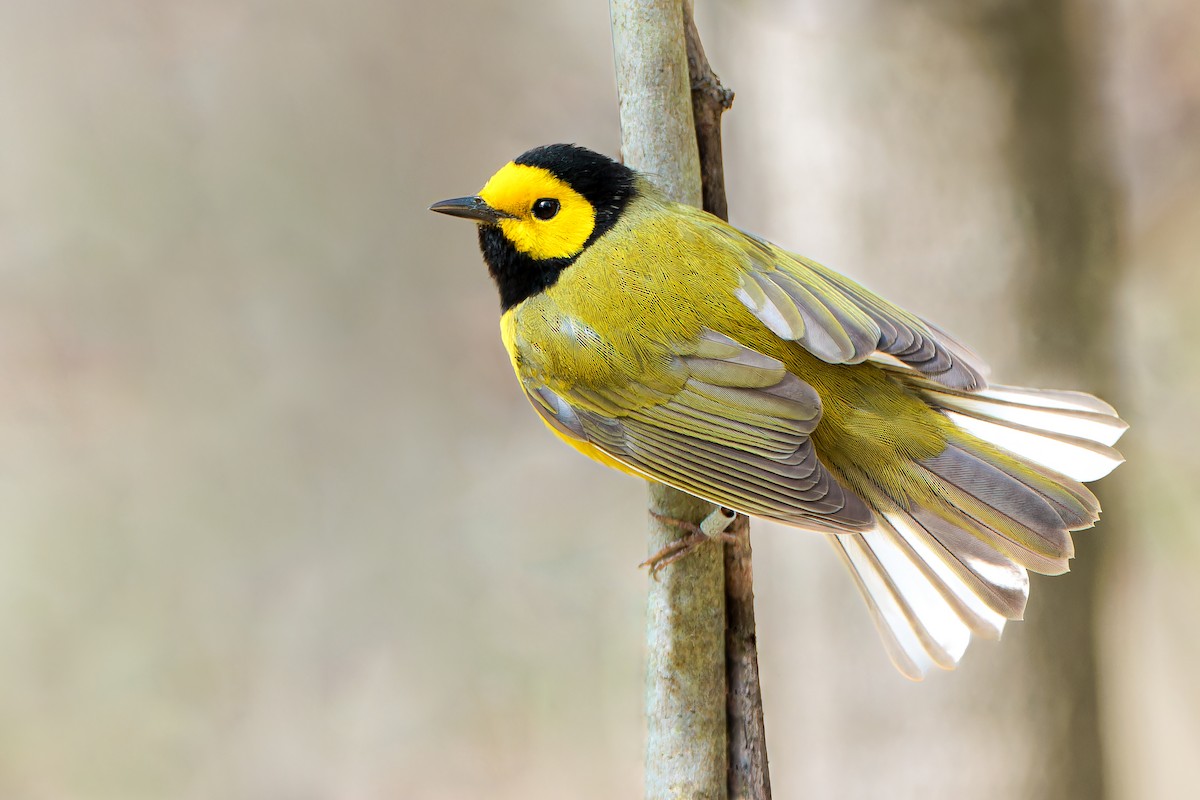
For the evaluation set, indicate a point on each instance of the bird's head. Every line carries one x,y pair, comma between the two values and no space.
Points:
540,211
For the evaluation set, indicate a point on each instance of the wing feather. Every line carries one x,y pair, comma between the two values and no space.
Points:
735,432
841,322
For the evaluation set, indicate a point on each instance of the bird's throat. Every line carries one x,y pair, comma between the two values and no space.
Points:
518,276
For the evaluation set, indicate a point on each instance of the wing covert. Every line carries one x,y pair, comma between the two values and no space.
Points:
842,322
736,432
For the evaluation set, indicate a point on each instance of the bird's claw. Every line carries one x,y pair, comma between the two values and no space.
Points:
713,527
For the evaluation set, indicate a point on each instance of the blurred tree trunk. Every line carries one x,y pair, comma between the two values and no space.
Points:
1060,160
872,80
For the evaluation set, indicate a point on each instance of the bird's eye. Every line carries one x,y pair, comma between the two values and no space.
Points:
545,208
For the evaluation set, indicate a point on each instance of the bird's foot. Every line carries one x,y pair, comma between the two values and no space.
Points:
714,526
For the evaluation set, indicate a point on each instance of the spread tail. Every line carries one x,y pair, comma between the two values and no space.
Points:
1010,493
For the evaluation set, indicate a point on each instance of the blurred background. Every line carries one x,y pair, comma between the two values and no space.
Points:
275,521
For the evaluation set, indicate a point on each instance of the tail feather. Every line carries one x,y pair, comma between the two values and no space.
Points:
1072,414
1081,459
1008,497
919,628
1011,538
1068,432
998,582
1075,505
1001,493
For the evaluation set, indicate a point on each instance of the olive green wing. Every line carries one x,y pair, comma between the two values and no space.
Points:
733,429
844,323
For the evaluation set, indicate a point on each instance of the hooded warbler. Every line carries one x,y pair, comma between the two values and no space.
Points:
660,340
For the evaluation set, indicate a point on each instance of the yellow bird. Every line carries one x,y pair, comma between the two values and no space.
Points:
659,340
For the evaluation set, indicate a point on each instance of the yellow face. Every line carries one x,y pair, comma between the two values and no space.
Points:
549,218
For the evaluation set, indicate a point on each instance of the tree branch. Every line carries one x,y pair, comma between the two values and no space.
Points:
749,777
685,672
709,100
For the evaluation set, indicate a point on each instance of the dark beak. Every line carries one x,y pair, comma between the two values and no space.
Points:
471,208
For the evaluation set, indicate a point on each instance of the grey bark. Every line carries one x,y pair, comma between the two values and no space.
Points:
749,778
685,674
658,135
